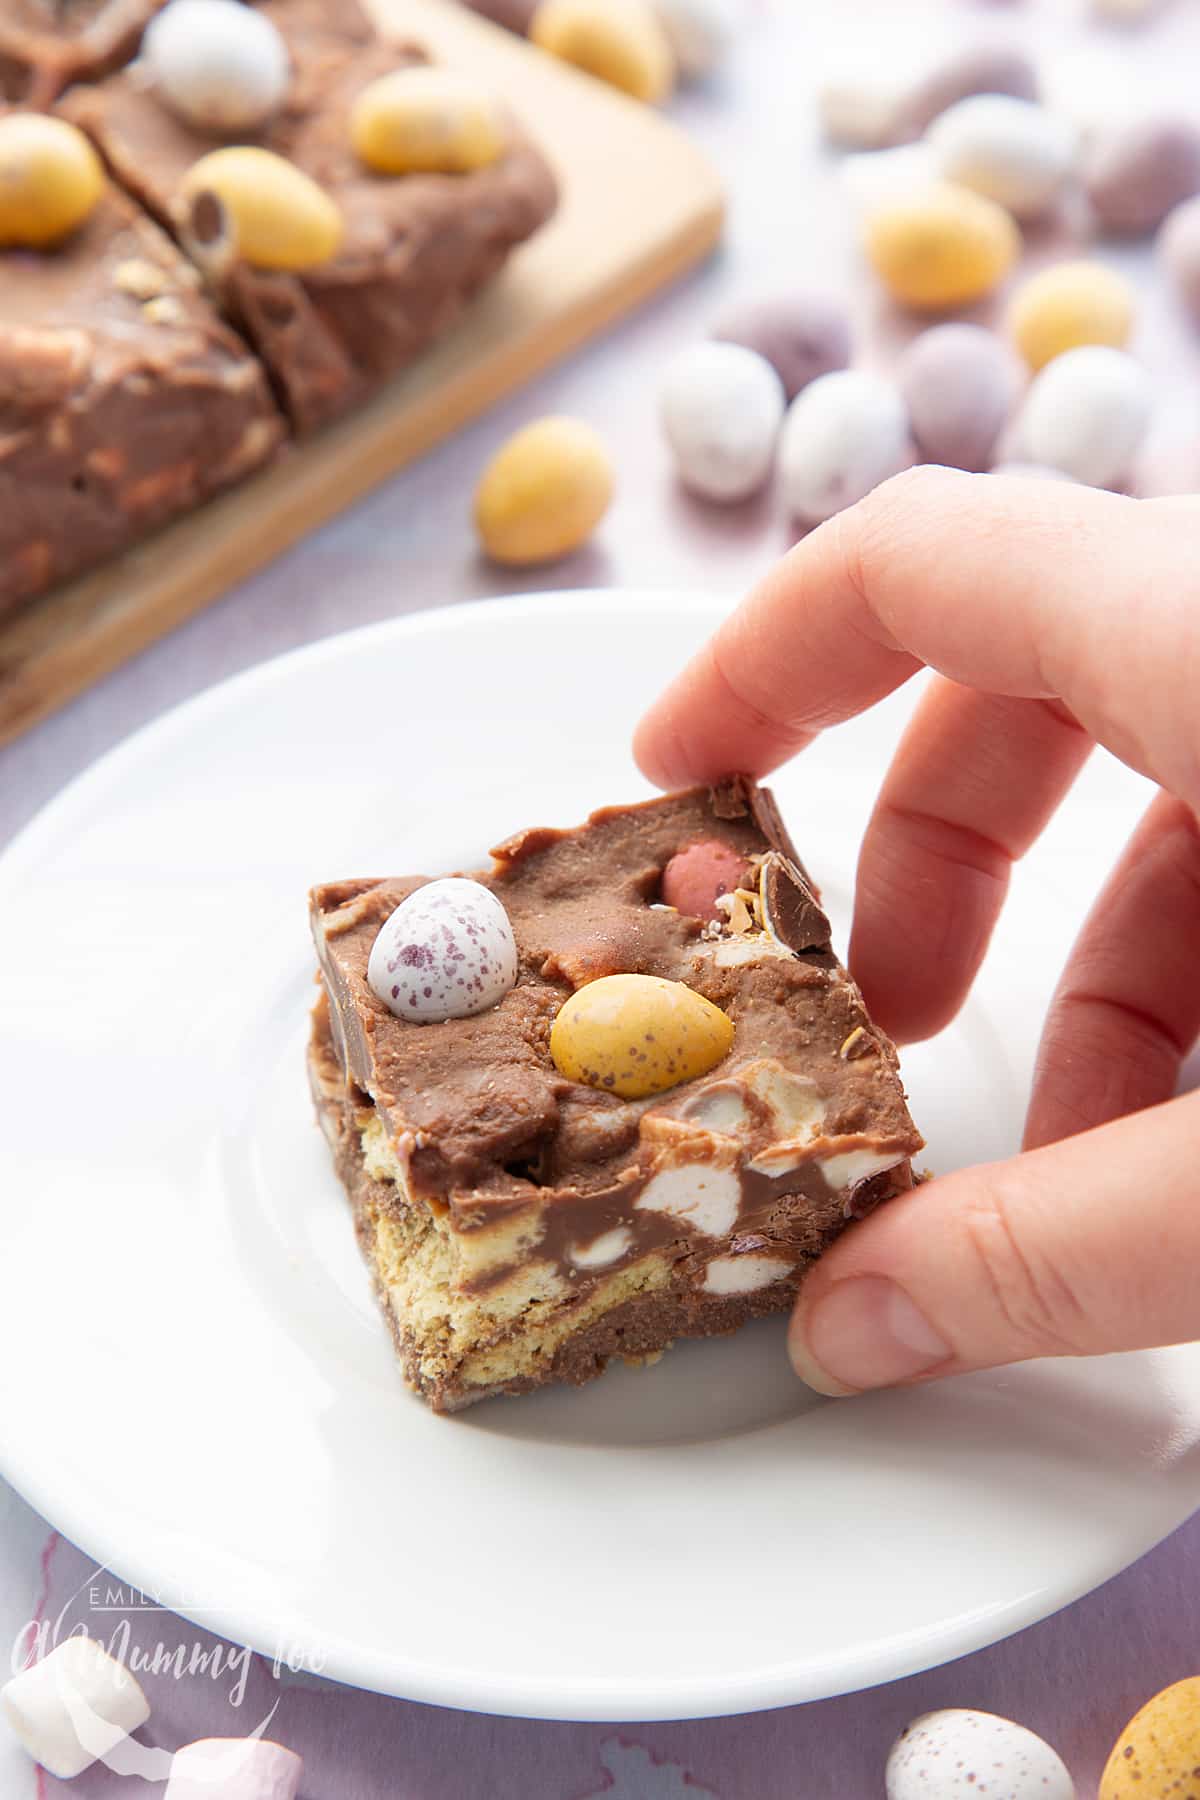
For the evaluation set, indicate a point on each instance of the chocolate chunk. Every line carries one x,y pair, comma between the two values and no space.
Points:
790,909
739,797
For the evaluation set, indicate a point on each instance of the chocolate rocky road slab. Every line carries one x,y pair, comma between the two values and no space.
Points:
522,1228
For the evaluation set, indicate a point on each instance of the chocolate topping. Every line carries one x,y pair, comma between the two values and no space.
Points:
790,908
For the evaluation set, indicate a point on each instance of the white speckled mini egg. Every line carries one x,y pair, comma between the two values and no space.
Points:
1011,150
701,33
446,952
959,1755
218,64
1086,413
721,408
843,435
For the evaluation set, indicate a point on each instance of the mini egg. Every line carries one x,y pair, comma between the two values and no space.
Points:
222,66
1012,151
721,408
960,383
51,179
543,493
1135,174
427,120
942,247
1070,304
618,41
843,435
1157,1756
957,1753
447,952
514,15
637,1035
1179,251
802,335
1126,12
978,69
700,32
859,103
1086,413
249,203
699,874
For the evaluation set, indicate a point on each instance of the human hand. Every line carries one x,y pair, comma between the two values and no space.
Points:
1055,617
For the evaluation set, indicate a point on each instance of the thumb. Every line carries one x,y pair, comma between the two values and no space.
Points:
1088,1245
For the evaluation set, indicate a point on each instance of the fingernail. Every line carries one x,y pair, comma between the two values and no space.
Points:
864,1333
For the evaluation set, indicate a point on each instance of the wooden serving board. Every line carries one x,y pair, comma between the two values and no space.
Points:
640,204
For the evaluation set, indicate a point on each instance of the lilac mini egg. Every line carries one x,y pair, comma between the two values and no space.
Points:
961,383
446,952
802,334
1137,173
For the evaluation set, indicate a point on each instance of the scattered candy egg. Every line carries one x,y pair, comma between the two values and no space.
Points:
427,120
1157,1755
1137,173
50,179
1179,250
979,69
447,952
1125,11
842,436
859,105
696,876
802,335
721,408
235,1769
951,1755
514,15
74,1704
248,202
619,41
544,492
700,33
220,65
960,384
1069,304
1013,151
942,247
636,1035
1086,413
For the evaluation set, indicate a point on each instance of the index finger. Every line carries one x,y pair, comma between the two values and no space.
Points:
1029,589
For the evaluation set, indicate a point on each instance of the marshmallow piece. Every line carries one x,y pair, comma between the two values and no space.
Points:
234,1769
73,1707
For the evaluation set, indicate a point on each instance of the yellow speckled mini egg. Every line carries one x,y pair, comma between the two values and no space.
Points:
941,247
619,41
427,120
1157,1756
251,203
1070,304
636,1035
543,493
50,179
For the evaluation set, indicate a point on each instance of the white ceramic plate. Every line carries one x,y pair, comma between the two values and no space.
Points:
198,1388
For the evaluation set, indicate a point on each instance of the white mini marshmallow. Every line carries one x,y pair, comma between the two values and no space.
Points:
744,1274
604,1250
74,1706
703,1197
853,1166
234,1769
